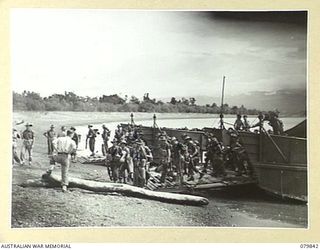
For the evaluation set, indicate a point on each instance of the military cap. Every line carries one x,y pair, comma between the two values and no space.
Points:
173,138
28,125
162,138
73,128
188,138
196,142
90,126
52,126
123,142
184,135
233,135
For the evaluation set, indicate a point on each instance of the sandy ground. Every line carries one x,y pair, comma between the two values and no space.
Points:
49,207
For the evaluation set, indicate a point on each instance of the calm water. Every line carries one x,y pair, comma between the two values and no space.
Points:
42,120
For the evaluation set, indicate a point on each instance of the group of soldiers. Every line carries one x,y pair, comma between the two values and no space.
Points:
62,147
51,135
129,158
28,141
272,117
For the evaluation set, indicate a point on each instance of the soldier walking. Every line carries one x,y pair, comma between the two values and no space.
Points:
63,148
113,161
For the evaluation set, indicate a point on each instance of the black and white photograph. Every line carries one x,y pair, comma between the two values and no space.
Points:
159,118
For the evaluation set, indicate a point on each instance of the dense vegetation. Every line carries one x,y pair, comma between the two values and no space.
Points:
30,101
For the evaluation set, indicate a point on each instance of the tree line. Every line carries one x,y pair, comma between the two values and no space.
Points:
69,101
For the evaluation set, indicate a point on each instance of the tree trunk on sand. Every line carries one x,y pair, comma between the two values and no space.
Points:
128,190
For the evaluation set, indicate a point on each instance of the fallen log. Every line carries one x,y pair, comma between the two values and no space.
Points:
55,180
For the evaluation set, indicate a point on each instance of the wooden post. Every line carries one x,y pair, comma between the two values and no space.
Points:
180,173
154,120
260,137
221,108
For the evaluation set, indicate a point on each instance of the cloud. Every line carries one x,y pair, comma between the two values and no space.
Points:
95,52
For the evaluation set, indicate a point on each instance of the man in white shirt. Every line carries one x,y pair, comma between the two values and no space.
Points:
63,147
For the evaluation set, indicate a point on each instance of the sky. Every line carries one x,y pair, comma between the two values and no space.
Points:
164,53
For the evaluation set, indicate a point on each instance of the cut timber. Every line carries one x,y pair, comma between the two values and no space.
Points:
128,190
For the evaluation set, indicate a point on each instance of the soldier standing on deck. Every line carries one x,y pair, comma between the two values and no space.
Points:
28,142
125,162
238,124
149,156
105,138
165,157
178,157
246,125
50,135
275,123
217,158
193,155
139,160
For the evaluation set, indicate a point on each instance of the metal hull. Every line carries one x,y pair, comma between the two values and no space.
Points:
285,178
286,181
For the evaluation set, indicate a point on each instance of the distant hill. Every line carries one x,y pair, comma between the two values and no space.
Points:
287,101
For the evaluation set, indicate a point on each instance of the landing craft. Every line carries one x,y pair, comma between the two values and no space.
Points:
279,161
